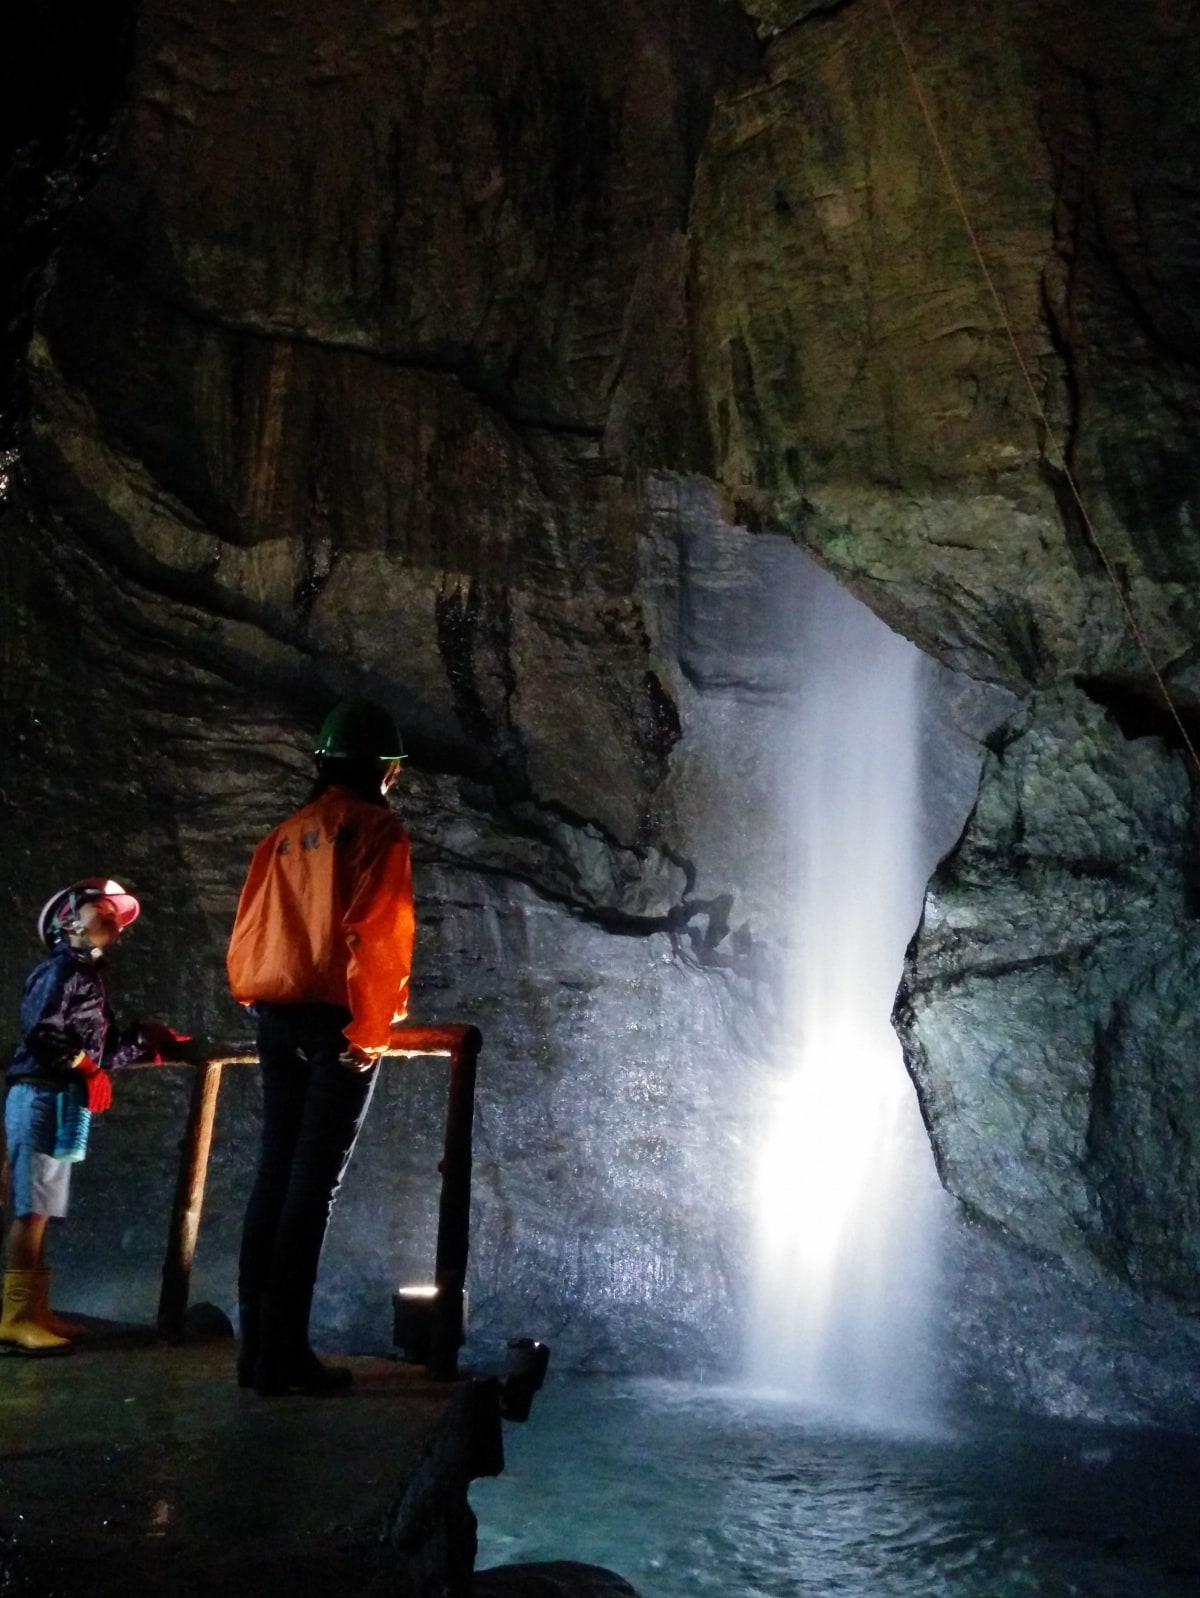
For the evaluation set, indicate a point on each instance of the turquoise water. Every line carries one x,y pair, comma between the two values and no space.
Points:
689,1490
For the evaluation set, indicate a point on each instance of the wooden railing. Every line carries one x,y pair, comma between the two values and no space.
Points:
460,1045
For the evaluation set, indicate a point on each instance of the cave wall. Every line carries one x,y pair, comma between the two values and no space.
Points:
494,361
866,395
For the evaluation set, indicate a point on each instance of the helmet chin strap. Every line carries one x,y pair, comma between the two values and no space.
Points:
76,927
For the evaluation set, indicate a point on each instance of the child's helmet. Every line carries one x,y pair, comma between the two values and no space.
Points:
59,914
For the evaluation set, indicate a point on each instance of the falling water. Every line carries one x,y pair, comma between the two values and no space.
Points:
846,1261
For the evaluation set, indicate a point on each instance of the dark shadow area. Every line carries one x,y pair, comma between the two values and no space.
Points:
1142,711
131,1466
65,72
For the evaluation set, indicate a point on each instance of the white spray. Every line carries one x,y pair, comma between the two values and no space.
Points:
846,1252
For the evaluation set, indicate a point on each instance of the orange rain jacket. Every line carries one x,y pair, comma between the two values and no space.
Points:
326,916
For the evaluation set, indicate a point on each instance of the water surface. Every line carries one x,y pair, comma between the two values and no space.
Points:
687,1490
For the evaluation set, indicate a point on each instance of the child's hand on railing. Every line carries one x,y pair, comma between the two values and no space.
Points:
162,1042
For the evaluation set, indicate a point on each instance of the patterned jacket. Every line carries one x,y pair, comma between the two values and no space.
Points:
65,1008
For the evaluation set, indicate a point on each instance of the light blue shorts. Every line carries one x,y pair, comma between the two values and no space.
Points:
41,1184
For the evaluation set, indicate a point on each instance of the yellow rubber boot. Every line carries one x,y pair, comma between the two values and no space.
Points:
19,1326
45,1316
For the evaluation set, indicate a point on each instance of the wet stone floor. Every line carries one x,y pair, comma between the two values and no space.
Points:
130,1466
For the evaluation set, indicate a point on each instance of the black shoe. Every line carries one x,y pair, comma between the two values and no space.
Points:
274,1379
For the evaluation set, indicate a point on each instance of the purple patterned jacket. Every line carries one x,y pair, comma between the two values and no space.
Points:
65,1008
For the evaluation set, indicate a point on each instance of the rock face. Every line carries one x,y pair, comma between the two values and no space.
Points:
495,365
560,1578
1061,930
907,416
1047,1013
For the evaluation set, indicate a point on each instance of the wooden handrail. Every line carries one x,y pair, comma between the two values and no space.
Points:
461,1045
406,1042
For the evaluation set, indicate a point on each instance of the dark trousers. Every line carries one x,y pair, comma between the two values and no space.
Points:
313,1109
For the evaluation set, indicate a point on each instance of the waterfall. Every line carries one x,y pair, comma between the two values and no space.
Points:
846,1211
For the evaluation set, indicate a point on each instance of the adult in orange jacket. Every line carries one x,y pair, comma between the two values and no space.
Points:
321,952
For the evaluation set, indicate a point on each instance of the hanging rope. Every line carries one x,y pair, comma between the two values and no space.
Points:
1050,435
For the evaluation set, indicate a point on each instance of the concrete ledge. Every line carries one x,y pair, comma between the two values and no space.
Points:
130,1466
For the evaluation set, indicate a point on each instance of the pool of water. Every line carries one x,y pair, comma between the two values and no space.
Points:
691,1490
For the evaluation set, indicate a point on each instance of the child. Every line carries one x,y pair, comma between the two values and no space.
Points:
58,1079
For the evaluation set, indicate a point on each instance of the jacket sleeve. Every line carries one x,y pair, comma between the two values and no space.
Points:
122,1047
379,928
44,1027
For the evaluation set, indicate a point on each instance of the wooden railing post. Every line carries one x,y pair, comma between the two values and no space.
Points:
454,1210
189,1201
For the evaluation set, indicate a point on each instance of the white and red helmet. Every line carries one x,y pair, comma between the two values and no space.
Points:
60,913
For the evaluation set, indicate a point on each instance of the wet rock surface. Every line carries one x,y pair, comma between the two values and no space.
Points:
1048,1010
129,1466
554,1579
1018,1331
866,394
1061,929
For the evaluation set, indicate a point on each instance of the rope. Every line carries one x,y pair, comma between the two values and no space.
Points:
1050,435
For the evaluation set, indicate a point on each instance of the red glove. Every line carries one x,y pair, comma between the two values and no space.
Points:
160,1041
97,1084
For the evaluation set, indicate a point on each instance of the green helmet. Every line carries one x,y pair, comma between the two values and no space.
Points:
359,730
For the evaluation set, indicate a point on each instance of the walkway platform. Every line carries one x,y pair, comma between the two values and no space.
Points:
132,1466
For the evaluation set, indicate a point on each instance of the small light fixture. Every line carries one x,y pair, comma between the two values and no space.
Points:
413,1310
528,1359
